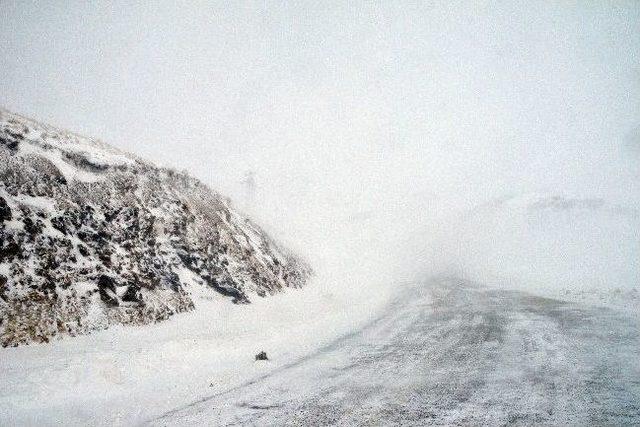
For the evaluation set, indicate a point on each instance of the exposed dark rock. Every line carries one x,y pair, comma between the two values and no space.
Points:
132,294
3,287
227,289
9,251
5,210
14,135
59,224
261,356
107,289
83,250
11,144
82,162
32,227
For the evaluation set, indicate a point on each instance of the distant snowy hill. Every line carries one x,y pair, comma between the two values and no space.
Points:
91,237
557,245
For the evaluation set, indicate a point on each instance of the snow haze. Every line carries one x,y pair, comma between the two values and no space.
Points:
388,141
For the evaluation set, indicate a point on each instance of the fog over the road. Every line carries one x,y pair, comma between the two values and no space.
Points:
496,141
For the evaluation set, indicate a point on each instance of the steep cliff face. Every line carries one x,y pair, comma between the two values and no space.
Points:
91,236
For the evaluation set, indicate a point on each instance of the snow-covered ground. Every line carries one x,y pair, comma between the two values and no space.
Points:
440,352
127,375
447,352
469,358
623,300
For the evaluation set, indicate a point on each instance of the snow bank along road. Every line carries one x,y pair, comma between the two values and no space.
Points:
454,354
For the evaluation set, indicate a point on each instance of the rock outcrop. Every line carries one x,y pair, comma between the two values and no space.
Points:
91,236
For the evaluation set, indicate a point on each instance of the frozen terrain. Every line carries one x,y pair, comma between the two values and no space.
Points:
424,213
451,353
441,352
128,375
91,237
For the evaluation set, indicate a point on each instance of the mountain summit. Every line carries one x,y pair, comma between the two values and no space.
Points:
91,236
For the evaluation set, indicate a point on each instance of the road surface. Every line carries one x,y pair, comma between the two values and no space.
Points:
450,353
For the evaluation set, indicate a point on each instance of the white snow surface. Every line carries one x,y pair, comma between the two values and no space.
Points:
449,352
128,375
70,172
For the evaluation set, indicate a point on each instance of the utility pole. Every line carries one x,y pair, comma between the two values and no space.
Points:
249,184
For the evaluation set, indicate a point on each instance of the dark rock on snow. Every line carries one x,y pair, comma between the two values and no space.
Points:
5,211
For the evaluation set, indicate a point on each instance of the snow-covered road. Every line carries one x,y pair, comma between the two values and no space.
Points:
454,354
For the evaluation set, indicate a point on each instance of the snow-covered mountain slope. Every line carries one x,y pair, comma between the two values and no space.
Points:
91,236
549,243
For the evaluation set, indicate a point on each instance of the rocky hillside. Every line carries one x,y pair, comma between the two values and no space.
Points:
91,237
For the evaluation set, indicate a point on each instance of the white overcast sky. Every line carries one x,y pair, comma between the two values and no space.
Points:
344,108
